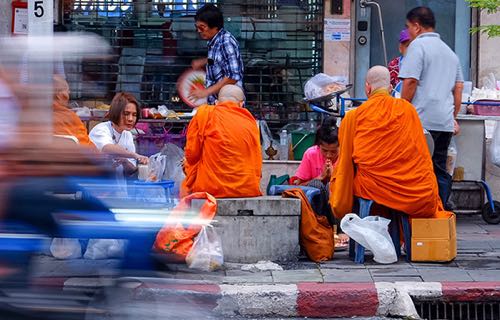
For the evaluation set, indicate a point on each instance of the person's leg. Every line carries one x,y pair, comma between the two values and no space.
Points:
444,180
322,207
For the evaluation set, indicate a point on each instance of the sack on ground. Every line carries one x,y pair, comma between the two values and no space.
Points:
64,248
206,253
105,249
372,233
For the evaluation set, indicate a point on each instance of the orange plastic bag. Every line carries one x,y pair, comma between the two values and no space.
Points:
179,238
316,234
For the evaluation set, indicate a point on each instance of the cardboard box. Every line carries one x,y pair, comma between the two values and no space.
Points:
434,240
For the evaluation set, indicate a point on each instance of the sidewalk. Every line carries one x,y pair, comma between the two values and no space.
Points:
338,288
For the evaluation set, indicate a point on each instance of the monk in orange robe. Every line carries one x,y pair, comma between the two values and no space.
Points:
384,156
64,121
223,152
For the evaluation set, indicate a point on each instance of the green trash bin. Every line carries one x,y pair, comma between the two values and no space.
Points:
301,141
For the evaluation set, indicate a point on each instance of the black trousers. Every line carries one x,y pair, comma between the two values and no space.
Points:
444,180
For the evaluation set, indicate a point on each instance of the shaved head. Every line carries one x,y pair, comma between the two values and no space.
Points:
231,92
378,77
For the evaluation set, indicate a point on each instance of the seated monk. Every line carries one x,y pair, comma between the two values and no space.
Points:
65,121
223,153
384,156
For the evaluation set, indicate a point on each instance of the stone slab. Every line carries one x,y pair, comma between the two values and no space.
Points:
481,263
396,279
484,275
394,272
343,275
260,277
294,276
250,239
444,274
256,206
420,265
473,244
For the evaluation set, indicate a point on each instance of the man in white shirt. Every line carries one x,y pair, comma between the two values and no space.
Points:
433,83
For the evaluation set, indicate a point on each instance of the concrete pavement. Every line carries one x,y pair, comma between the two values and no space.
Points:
337,288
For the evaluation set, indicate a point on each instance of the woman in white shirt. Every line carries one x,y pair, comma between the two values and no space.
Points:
114,138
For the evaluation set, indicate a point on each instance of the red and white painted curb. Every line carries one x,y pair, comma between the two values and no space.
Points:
316,299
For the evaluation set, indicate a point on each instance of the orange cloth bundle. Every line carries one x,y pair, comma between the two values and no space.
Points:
316,234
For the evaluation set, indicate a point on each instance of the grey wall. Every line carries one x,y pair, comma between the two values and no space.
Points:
5,15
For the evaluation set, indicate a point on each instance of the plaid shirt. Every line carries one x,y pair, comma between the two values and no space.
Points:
224,60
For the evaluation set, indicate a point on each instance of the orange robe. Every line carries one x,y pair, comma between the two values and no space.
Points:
384,157
66,122
223,153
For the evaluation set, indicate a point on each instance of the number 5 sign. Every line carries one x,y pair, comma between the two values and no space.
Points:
40,17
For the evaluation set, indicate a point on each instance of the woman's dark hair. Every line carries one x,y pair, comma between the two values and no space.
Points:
120,100
327,132
423,16
211,15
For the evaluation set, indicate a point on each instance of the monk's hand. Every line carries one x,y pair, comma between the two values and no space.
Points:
183,165
199,93
456,128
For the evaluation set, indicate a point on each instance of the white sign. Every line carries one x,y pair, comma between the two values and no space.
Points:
20,21
337,30
40,17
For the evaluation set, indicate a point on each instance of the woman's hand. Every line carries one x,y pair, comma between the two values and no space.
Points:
141,159
327,170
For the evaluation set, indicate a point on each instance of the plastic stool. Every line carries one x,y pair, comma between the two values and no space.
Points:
357,251
400,219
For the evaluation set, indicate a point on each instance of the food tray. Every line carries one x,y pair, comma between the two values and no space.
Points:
329,96
486,107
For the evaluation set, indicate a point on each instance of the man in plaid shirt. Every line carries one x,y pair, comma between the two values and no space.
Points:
223,64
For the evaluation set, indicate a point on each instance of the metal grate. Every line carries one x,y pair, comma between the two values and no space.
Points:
154,42
439,310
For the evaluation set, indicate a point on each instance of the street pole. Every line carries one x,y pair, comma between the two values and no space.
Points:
38,69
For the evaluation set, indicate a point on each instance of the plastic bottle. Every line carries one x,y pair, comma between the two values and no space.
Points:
452,157
283,150
312,126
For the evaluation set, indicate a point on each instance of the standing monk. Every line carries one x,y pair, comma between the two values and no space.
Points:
223,64
223,155
433,83
384,155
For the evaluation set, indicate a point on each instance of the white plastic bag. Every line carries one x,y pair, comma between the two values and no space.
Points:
105,249
173,166
156,167
372,233
266,141
321,85
495,146
66,248
206,253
